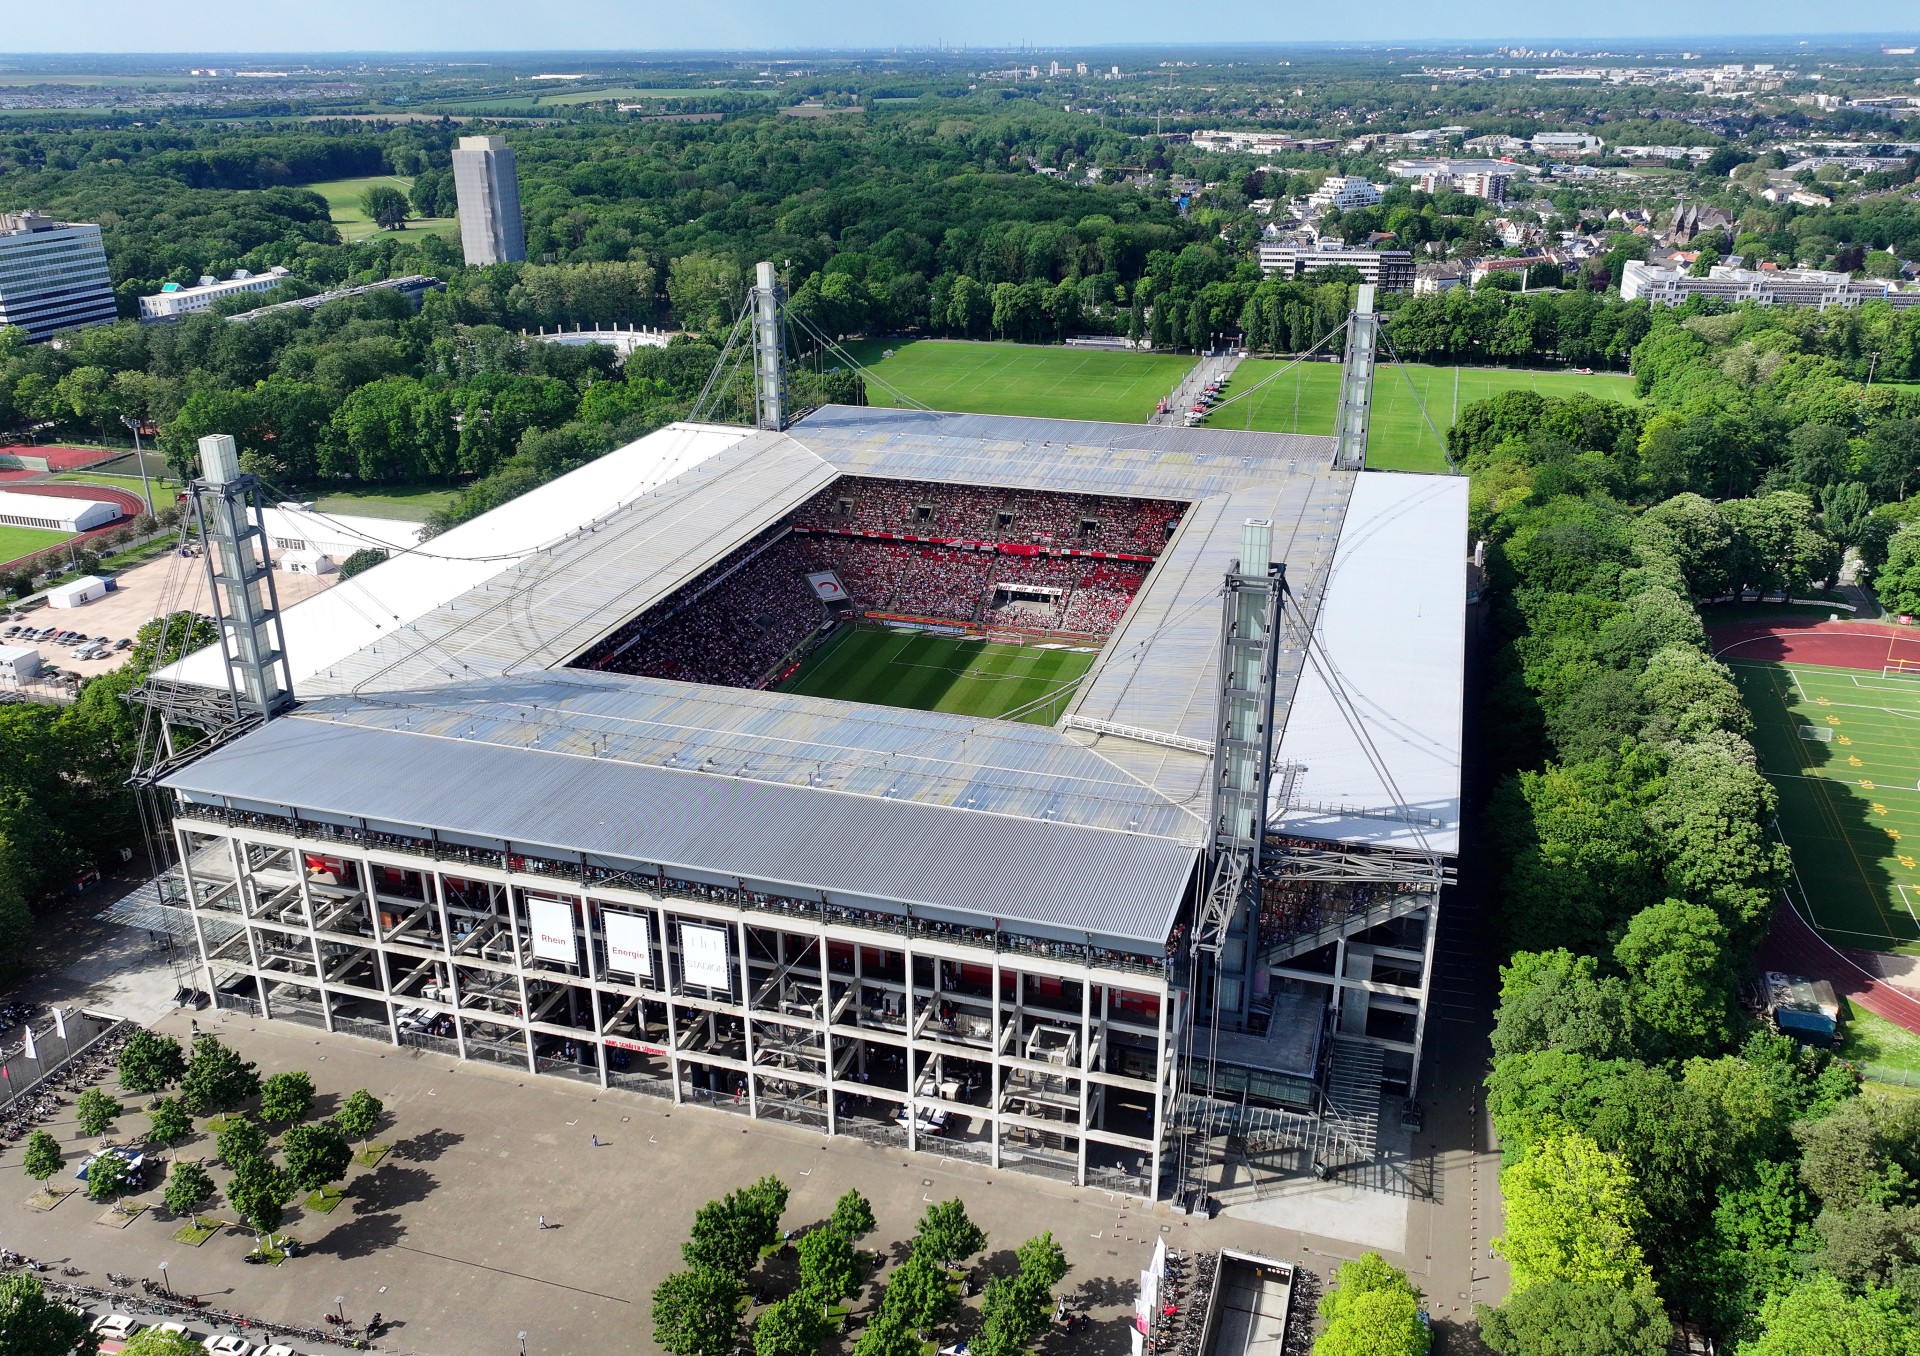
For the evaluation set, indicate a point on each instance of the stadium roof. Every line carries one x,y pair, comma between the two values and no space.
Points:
435,693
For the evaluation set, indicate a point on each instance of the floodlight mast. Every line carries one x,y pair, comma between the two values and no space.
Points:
769,351
228,511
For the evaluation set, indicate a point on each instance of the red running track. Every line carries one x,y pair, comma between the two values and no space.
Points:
1839,645
130,507
1797,949
1793,946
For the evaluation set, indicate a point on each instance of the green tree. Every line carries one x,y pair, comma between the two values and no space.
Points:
170,1122
259,1191
240,1140
728,1234
188,1188
95,1110
154,1342
360,562
829,1271
150,1062
217,1079
1559,1318
1571,1212
43,1157
705,289
359,1115
1371,1307
946,1235
1556,1000
919,1293
853,1214
107,1176
1677,982
317,1155
887,1335
286,1096
386,206
31,1324
697,1313
1819,1315
790,1327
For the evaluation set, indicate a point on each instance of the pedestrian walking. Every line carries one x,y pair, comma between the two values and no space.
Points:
596,1141
543,1221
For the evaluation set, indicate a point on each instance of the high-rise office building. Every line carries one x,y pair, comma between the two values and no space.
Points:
488,187
53,275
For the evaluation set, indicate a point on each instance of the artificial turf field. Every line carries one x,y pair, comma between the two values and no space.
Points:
1306,399
1849,797
943,673
1031,379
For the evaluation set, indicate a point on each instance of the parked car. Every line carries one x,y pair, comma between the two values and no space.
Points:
122,644
116,1327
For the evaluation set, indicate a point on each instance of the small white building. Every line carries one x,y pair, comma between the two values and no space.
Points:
77,594
306,541
53,513
173,300
18,664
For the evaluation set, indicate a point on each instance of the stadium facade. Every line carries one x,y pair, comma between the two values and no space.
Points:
477,834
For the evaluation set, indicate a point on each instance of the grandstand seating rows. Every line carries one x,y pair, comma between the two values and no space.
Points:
1092,522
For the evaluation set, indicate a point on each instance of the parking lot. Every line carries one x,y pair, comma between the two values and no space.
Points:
169,583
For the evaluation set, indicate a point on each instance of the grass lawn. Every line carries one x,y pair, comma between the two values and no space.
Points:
16,542
325,1200
1885,1053
940,673
1842,749
1307,398
1031,379
197,1231
163,490
343,205
410,503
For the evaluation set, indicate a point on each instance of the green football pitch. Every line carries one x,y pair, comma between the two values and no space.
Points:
16,542
1030,379
1842,750
1306,399
943,673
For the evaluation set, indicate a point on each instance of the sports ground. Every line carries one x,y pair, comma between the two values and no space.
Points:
1306,399
17,543
925,672
1838,736
1030,379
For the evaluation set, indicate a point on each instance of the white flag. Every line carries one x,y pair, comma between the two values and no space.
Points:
30,1052
60,1022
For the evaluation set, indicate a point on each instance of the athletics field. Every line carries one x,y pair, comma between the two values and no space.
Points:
944,673
1839,739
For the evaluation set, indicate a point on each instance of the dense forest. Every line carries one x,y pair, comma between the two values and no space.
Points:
1661,1150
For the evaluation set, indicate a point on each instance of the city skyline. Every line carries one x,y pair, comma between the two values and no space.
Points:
618,25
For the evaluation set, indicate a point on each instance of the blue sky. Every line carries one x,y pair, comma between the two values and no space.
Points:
510,25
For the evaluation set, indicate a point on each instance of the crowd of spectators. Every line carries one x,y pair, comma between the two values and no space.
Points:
1092,522
1291,907
731,634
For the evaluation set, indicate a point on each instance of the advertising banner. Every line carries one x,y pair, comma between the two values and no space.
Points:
629,948
703,956
552,924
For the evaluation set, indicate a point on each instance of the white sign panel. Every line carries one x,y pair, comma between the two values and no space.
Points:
552,923
703,954
827,586
629,944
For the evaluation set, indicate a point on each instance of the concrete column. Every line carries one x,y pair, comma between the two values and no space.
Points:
1426,989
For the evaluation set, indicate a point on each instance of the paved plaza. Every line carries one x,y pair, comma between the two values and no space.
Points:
443,1238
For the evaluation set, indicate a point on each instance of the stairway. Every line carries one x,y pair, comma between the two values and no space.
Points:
1350,1124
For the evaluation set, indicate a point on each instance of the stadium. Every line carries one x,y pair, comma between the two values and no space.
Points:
864,772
